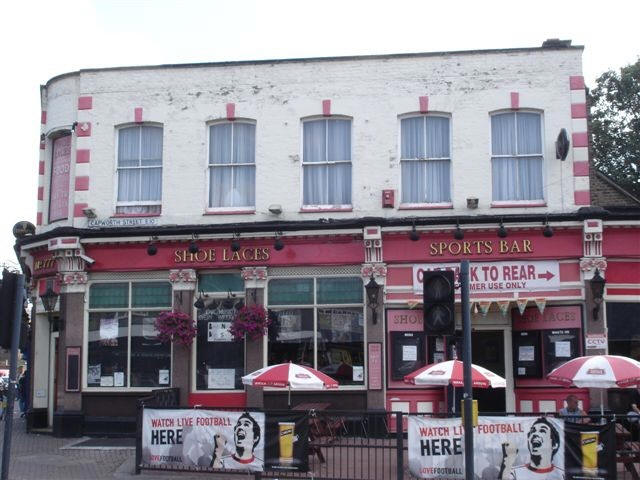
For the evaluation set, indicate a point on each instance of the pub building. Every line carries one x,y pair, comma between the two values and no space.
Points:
214,200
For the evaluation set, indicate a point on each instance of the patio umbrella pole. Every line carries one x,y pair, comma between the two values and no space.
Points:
289,398
468,392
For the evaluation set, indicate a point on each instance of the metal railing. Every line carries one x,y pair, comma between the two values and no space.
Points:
368,445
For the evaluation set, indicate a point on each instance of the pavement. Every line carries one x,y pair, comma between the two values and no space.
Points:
38,456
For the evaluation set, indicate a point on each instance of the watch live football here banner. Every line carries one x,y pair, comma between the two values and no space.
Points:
215,439
512,448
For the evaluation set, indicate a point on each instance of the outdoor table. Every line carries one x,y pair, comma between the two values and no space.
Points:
627,451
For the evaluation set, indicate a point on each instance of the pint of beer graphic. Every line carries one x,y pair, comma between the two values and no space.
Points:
589,446
286,430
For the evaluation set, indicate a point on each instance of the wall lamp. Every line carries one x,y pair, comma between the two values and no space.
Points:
49,300
373,292
458,234
547,231
193,246
235,243
278,244
597,292
414,236
502,232
199,303
152,249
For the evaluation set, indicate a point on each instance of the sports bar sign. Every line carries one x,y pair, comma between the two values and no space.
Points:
490,277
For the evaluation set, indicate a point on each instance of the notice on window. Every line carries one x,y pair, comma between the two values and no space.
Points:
149,327
526,353
93,373
219,332
108,328
118,379
358,373
106,381
289,321
409,353
163,377
221,378
563,349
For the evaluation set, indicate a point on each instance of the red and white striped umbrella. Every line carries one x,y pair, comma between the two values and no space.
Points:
290,375
597,371
451,373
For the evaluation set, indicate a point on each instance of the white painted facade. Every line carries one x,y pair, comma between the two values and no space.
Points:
375,92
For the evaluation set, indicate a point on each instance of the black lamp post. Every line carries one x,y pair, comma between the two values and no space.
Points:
49,300
373,291
597,292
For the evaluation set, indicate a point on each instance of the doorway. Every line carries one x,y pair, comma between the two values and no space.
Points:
487,350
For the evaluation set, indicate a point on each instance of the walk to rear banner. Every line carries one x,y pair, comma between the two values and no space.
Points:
214,439
510,448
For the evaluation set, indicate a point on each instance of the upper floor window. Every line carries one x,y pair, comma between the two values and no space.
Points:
516,159
232,165
326,162
425,159
139,170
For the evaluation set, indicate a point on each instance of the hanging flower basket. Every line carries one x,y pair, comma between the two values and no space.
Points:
176,327
250,322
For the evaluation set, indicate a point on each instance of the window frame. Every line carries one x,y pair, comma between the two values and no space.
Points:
315,306
208,166
325,207
141,203
519,203
129,309
425,205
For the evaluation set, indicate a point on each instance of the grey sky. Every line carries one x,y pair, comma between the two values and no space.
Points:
41,39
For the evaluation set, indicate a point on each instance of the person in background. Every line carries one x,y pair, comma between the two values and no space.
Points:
572,412
633,416
22,393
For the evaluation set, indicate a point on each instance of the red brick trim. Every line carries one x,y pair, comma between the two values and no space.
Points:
580,169
515,100
85,103
582,197
40,193
41,167
424,104
137,114
576,82
231,111
83,155
326,108
580,139
39,218
43,117
83,129
82,183
578,110
77,209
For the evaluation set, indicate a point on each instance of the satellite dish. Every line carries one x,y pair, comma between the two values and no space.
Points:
23,228
562,145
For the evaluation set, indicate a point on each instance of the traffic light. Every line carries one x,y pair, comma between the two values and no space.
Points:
7,299
439,298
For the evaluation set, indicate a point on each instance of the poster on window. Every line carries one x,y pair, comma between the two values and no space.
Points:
221,378
290,322
108,328
505,448
210,439
590,451
219,332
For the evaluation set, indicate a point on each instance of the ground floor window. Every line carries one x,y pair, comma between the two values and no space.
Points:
623,331
319,322
123,349
219,359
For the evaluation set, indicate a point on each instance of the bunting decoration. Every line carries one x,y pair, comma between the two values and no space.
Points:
484,307
541,303
522,304
503,305
413,304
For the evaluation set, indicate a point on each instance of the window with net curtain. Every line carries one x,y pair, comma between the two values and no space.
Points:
319,322
425,160
232,169
517,160
326,162
139,170
122,347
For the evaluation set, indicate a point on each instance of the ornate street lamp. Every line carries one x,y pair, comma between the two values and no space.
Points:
597,292
49,300
373,292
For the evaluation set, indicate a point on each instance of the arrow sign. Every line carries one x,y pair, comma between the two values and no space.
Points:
548,275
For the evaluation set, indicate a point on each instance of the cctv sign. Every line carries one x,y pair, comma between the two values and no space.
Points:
490,277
